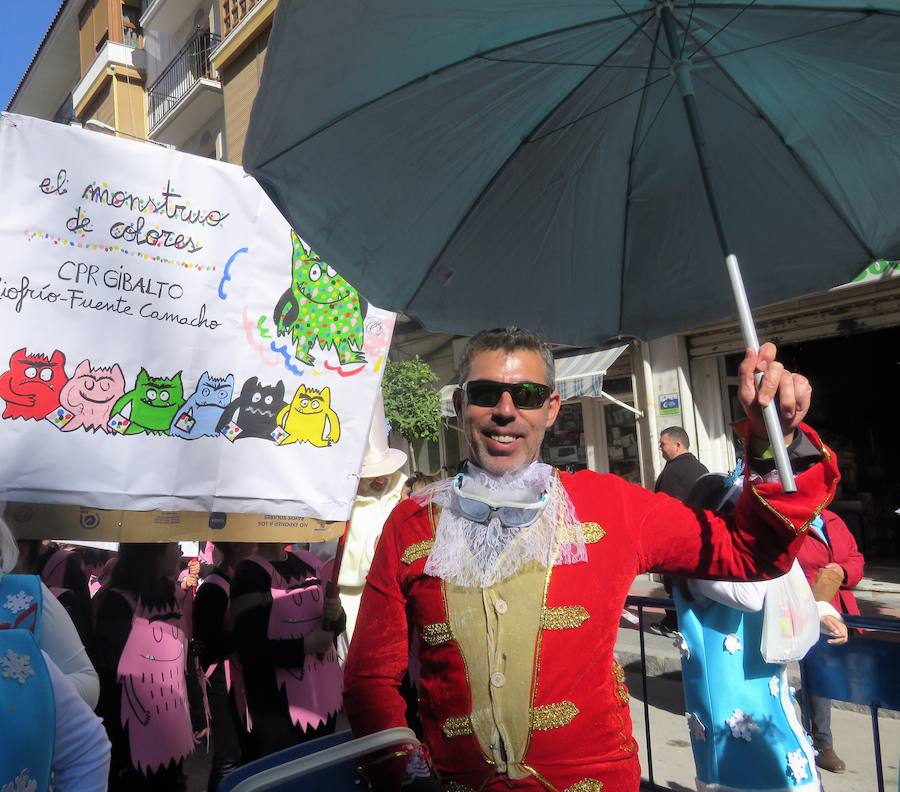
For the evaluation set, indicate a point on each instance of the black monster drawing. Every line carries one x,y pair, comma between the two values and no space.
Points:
257,408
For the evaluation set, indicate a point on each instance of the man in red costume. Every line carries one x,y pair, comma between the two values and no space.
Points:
506,583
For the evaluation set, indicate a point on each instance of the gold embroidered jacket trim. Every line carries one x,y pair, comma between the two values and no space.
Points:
437,634
592,532
586,785
553,716
457,727
416,551
566,617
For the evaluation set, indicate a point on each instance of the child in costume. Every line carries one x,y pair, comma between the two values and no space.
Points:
37,699
214,642
288,661
142,622
741,714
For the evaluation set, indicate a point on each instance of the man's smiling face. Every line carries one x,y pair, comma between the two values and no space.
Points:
504,437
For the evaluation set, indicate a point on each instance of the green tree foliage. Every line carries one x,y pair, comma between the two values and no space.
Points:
412,404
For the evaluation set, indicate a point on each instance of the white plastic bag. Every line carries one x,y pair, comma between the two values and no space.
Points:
790,618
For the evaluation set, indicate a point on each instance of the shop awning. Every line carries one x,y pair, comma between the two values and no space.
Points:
577,376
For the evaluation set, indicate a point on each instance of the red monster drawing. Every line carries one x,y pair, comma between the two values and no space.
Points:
32,385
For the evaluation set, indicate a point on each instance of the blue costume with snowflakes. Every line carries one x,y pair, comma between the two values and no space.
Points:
745,733
27,711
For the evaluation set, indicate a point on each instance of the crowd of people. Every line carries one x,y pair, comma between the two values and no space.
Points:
138,659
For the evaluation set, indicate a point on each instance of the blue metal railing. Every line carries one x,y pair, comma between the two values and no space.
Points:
874,696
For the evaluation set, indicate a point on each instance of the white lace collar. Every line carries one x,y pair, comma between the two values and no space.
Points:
472,554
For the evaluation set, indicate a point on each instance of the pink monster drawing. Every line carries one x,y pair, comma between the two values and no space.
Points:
313,691
154,699
90,394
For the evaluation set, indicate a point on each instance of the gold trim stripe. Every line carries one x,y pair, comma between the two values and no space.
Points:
567,617
437,634
416,551
457,727
586,785
553,716
455,786
592,532
619,677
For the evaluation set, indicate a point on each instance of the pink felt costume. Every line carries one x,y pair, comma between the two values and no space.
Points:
313,691
151,671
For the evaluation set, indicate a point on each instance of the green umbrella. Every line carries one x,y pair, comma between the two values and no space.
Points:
482,162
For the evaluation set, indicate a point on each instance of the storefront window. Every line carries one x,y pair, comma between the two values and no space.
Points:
622,442
564,444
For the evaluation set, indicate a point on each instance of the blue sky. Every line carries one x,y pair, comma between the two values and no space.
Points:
24,25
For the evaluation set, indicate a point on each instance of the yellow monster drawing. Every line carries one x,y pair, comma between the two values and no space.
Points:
305,417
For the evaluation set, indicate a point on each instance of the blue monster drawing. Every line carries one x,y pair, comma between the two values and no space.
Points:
203,408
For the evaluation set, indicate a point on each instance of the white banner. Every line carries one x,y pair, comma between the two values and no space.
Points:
166,341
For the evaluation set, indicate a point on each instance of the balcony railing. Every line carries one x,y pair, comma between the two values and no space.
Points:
233,11
187,68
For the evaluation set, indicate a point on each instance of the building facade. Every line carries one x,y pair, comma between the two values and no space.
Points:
180,73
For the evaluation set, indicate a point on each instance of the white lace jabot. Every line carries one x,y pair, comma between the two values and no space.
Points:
472,554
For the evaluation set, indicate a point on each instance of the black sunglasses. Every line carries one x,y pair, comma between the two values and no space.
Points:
525,395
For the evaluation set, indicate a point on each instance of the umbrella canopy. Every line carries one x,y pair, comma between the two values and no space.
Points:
474,163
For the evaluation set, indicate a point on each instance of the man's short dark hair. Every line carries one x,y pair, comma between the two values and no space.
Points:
509,339
677,435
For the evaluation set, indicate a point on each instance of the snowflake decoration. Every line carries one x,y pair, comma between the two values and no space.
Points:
797,765
16,666
682,646
742,725
695,726
773,686
22,783
732,644
16,603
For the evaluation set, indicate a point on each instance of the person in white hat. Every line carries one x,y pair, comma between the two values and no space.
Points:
380,484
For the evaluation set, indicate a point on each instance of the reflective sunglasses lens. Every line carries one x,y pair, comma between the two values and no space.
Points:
484,393
529,395
473,509
518,518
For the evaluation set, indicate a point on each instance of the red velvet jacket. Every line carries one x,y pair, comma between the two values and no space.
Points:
631,530
840,549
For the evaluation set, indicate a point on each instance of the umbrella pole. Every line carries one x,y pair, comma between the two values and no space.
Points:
682,71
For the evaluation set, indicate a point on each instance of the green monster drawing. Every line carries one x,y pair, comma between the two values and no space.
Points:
320,306
154,402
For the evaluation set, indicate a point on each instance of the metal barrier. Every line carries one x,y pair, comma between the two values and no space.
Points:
640,603
835,674
188,67
861,671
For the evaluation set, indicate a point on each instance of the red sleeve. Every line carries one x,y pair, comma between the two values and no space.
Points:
853,562
758,540
379,653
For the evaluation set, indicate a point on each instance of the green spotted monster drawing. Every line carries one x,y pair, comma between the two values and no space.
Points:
320,307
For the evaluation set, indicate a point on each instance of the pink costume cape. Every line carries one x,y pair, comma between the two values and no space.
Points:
152,674
314,691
